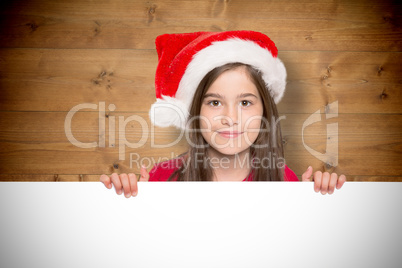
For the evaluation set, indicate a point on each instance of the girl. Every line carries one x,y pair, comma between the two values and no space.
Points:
222,89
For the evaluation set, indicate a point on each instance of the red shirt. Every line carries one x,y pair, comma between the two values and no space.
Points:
162,171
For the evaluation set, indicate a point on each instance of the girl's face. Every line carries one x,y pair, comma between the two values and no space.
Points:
231,112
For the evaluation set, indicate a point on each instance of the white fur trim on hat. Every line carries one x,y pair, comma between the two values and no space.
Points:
169,111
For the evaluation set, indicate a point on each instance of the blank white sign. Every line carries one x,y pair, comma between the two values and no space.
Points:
200,224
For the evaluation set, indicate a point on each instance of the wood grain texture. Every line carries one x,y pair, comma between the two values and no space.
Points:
55,55
37,143
316,25
34,80
95,177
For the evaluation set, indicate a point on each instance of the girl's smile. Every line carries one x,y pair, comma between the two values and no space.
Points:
230,134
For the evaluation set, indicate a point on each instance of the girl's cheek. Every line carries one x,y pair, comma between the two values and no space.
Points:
213,114
252,121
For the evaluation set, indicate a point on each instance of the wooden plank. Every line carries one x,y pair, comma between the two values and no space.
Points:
49,177
366,159
99,161
376,154
95,177
356,11
35,143
289,34
363,26
68,159
34,80
389,146
125,9
56,161
372,178
353,166
49,123
20,95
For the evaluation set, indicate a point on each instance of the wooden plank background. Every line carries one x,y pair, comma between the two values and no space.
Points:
55,55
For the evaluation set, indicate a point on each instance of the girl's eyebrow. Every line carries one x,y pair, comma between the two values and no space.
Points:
244,95
218,96
214,95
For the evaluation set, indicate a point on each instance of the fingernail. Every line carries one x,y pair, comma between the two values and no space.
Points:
127,195
143,166
134,194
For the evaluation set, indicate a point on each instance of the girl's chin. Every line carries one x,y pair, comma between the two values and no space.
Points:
228,151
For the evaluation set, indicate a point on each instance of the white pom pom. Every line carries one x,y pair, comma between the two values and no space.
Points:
168,112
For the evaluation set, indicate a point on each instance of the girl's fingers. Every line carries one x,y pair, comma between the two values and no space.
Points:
144,174
332,183
325,182
317,181
116,182
307,174
105,179
126,184
133,184
341,181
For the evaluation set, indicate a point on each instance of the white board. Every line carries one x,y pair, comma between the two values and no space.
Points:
200,224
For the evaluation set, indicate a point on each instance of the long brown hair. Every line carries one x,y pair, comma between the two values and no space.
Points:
267,146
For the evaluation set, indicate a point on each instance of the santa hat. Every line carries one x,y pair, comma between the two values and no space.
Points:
184,60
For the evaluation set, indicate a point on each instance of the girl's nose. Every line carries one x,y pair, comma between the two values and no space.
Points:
230,116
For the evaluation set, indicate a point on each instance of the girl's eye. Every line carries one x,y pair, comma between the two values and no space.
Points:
245,103
214,103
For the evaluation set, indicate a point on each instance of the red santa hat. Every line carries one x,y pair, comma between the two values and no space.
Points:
184,60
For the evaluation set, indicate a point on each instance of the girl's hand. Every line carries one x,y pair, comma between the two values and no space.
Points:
324,182
124,182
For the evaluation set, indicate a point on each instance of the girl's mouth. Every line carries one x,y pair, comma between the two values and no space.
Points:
230,134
